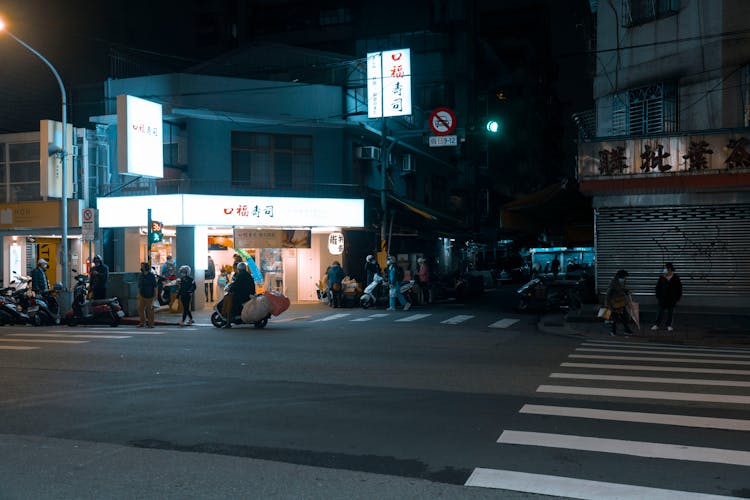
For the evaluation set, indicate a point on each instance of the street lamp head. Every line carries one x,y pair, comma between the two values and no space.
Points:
2,25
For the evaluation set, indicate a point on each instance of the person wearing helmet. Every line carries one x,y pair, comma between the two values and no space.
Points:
241,288
371,269
98,278
186,289
618,300
39,281
395,275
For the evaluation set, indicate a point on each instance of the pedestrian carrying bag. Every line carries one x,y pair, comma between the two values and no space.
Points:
604,313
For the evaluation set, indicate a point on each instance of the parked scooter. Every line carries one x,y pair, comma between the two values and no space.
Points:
19,300
166,288
44,308
549,294
10,311
87,311
376,293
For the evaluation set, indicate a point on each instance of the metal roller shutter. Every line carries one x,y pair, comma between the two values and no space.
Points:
709,246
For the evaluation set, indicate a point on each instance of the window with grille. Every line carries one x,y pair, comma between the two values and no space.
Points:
271,161
645,110
642,11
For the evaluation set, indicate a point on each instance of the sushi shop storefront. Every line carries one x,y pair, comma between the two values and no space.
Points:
284,240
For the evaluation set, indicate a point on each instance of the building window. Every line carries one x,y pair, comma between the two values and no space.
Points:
645,110
271,161
22,172
335,16
636,12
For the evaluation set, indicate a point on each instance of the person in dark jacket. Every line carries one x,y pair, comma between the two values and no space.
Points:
186,289
39,281
668,293
241,288
146,293
618,301
209,277
371,269
99,278
335,277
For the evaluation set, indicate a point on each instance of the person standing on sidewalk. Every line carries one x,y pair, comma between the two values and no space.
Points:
187,287
209,277
98,278
618,301
395,275
335,277
668,293
146,293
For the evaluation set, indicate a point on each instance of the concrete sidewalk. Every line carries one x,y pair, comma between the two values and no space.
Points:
691,326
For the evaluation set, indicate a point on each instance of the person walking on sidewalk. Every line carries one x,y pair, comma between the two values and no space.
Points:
668,293
146,293
187,287
618,301
395,275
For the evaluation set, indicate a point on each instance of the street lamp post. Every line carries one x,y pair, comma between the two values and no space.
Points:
63,153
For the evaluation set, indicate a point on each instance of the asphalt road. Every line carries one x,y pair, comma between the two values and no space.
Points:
427,401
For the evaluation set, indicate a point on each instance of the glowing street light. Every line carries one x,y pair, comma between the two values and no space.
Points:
62,152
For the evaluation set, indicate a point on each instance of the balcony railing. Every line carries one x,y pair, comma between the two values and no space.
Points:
686,154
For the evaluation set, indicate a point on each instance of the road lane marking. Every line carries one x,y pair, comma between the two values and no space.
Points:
17,347
332,317
632,345
145,332
631,393
730,424
567,487
676,353
457,319
650,368
66,335
46,341
669,360
371,317
655,380
413,317
623,447
503,323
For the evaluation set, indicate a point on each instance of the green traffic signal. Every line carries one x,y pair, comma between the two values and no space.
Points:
493,126
155,234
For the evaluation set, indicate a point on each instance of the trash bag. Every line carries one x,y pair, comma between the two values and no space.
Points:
255,309
279,302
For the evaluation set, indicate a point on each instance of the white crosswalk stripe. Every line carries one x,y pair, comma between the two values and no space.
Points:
17,348
455,320
45,341
593,377
332,317
413,317
504,323
69,335
371,317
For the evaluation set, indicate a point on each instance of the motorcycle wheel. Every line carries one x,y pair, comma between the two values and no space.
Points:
365,303
37,319
262,323
163,296
115,320
71,321
217,320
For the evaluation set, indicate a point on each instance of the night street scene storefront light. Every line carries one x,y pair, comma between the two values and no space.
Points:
61,152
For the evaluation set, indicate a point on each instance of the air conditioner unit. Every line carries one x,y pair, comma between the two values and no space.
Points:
408,164
368,153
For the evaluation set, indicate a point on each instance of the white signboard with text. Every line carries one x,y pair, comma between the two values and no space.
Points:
139,137
389,83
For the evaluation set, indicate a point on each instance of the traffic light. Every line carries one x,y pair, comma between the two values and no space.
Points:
493,126
155,234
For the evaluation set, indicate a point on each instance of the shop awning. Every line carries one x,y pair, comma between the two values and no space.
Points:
425,211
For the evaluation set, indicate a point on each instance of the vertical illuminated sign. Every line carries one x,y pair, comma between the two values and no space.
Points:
139,137
389,83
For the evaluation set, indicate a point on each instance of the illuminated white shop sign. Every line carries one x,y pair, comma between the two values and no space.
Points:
140,149
389,83
252,211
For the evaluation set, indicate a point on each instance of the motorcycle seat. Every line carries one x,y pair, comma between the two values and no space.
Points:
98,302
